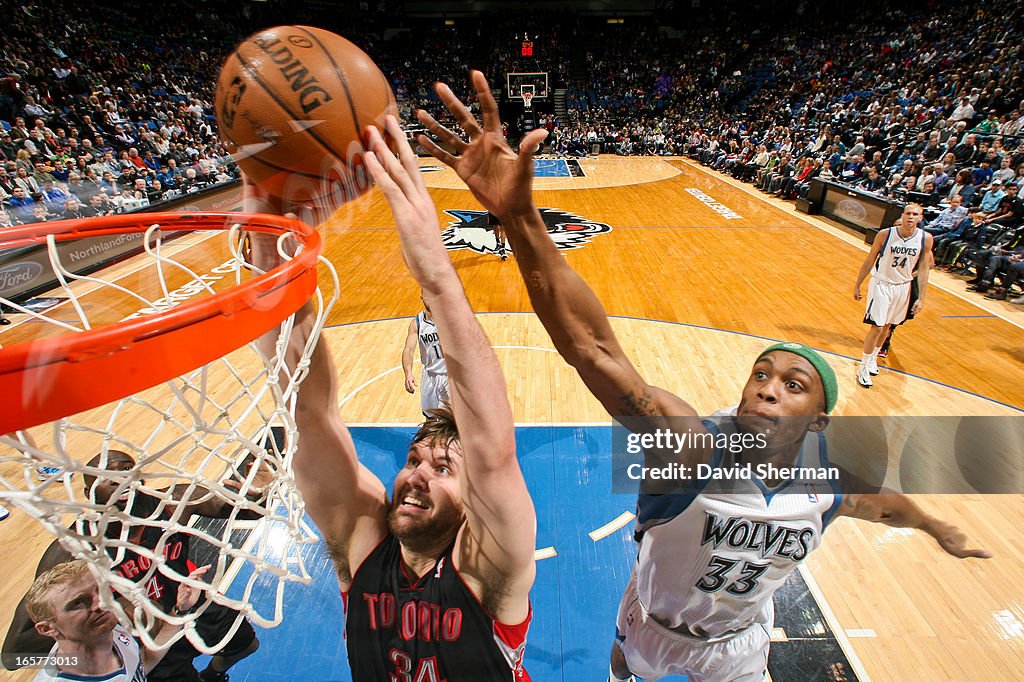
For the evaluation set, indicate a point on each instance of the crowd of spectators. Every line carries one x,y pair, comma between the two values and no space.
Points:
97,116
931,113
104,115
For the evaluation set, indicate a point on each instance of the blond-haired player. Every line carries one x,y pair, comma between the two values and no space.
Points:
899,255
64,604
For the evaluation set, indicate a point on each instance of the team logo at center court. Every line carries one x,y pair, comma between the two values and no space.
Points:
469,230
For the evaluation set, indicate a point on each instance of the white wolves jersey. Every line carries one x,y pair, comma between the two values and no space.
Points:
126,648
431,354
897,260
710,560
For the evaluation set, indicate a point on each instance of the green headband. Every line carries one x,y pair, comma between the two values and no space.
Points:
828,377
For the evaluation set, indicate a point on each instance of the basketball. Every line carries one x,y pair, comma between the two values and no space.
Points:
292,103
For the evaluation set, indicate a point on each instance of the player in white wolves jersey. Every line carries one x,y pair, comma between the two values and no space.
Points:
709,620
899,255
434,378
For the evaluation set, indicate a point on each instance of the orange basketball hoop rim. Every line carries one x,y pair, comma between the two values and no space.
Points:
49,378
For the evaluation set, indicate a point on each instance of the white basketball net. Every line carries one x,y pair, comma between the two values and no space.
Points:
189,437
527,100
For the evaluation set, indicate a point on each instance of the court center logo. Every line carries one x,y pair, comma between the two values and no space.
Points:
469,230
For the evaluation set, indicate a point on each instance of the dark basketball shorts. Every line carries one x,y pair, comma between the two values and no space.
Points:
212,625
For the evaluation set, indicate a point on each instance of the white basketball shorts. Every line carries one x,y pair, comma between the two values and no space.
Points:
433,391
887,303
653,651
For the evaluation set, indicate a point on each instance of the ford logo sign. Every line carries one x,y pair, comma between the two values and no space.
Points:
17,275
852,210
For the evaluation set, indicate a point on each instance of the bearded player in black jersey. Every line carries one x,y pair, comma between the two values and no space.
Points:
436,579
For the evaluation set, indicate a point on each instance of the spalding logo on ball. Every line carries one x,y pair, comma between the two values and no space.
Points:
293,103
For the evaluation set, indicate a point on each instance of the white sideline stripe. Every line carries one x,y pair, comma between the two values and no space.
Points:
842,237
830,618
861,632
612,526
383,425
245,525
532,425
235,566
779,635
545,553
229,575
96,287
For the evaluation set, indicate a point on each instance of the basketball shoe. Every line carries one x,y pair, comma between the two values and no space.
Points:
45,473
864,376
4,512
873,366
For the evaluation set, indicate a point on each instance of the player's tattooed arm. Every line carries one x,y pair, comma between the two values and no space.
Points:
899,511
647,411
638,404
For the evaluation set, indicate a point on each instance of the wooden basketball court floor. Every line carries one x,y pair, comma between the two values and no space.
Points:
699,273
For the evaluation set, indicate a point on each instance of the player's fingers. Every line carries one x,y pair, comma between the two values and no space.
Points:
199,572
438,153
405,153
458,109
390,163
529,146
387,186
440,132
488,107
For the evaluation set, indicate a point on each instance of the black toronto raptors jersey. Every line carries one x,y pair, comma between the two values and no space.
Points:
432,629
159,587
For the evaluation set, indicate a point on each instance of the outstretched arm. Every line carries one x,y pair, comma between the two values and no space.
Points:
899,511
495,550
570,312
407,356
345,500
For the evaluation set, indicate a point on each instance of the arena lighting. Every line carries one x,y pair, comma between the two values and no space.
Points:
449,22
616,21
